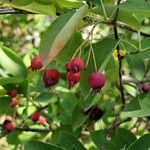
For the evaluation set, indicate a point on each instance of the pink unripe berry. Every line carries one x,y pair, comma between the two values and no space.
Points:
96,80
14,102
36,63
50,77
12,93
75,65
9,126
35,116
42,119
145,88
72,78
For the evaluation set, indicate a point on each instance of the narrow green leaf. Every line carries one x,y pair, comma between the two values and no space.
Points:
136,113
69,3
10,80
33,6
58,34
12,63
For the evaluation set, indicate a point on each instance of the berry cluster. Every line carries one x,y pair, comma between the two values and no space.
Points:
8,124
13,94
96,80
36,117
73,68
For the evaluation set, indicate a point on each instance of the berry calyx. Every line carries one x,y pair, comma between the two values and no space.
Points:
145,88
72,78
42,119
12,93
8,125
94,113
36,63
14,102
35,116
75,65
96,80
50,77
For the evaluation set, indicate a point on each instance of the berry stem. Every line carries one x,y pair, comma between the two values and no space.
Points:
119,60
94,59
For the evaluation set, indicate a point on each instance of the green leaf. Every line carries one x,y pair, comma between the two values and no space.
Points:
58,34
72,45
68,141
78,118
120,139
136,65
103,52
38,145
140,7
99,137
44,2
12,63
138,107
10,80
4,102
33,6
141,144
125,137
123,15
69,3
22,3
46,97
68,102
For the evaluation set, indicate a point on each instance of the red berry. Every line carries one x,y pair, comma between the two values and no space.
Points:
12,93
9,127
42,119
14,102
50,77
7,120
96,80
75,65
35,116
72,78
95,113
36,63
145,88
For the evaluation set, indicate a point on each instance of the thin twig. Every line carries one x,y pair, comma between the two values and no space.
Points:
32,129
126,27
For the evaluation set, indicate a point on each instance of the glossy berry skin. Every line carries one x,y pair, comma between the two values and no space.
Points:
14,102
145,88
42,119
95,113
50,77
36,63
12,93
96,80
75,65
72,78
9,126
35,116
